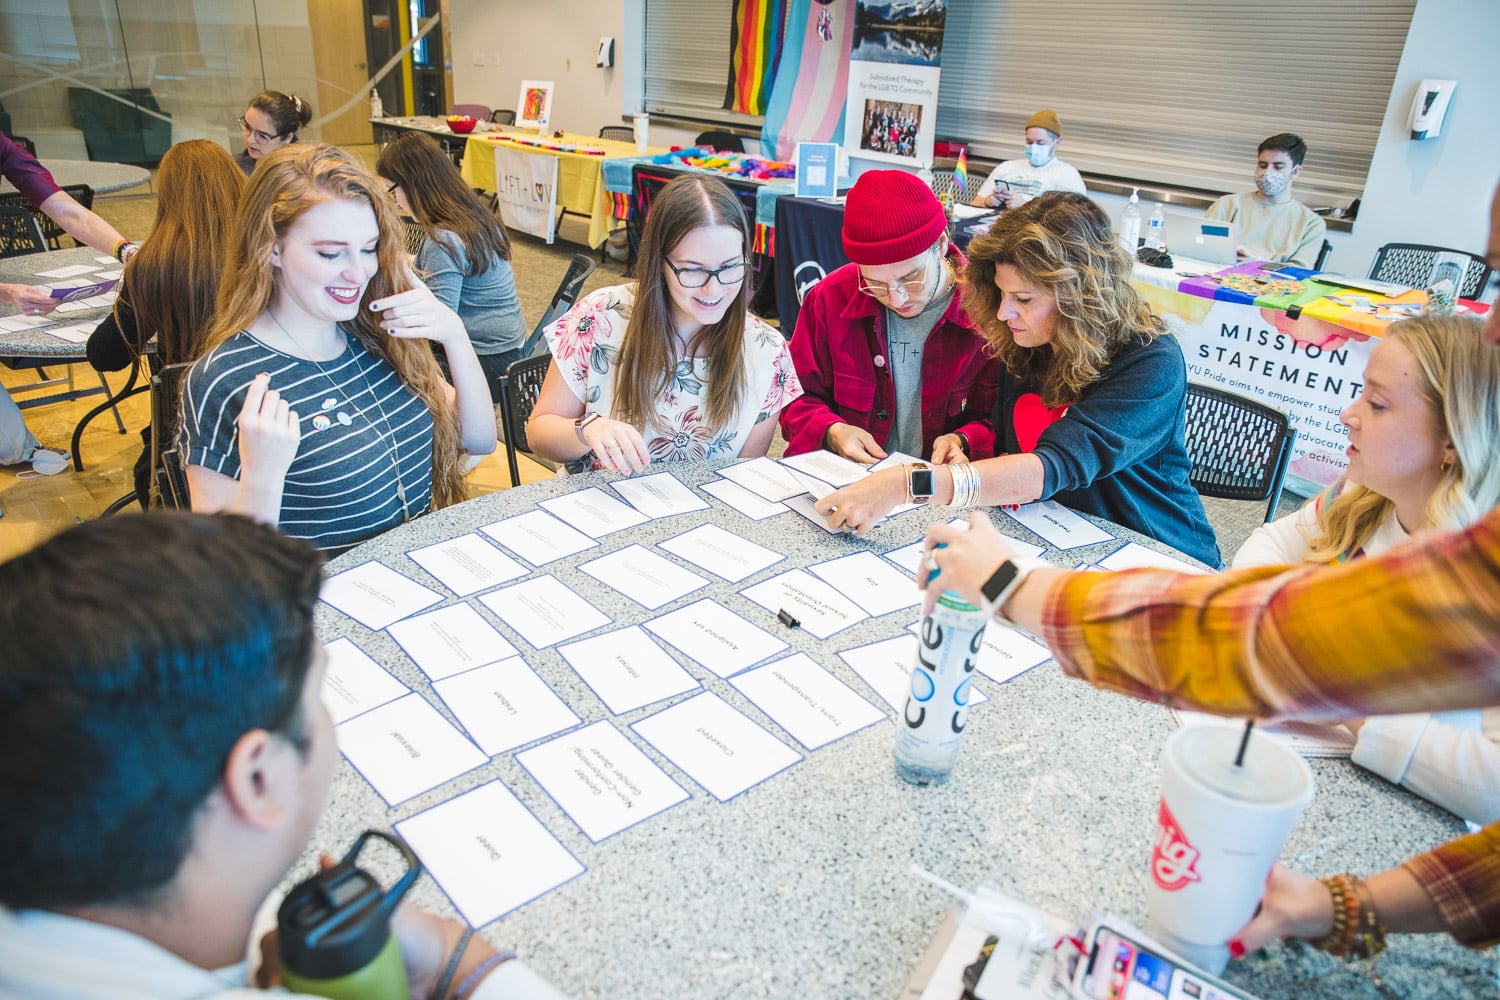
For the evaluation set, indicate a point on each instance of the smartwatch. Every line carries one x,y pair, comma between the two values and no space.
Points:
582,422
918,482
1005,581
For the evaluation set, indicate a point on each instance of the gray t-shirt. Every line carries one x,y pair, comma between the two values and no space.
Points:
359,423
487,303
905,339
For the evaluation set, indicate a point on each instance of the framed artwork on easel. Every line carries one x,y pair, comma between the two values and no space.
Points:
534,105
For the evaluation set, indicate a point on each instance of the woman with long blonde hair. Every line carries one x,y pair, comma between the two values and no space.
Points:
673,368
318,405
1422,441
1093,396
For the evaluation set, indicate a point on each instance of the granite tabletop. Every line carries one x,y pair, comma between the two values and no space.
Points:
101,175
37,342
800,887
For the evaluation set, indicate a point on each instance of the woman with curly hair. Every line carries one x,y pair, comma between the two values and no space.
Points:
1092,404
1422,438
673,368
318,405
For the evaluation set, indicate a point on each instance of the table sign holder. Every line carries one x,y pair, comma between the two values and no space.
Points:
818,169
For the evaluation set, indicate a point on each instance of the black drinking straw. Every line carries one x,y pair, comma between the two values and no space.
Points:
1239,758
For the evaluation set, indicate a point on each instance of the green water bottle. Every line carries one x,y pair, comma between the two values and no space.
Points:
335,931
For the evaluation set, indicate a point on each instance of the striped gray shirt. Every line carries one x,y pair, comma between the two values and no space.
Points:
341,487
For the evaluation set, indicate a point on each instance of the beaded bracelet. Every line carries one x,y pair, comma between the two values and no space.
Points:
1357,929
123,251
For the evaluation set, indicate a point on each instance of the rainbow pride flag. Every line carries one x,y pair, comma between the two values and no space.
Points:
961,173
757,30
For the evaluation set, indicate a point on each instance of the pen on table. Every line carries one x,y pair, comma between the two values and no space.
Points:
787,619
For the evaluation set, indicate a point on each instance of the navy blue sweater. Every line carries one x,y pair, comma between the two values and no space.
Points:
1119,451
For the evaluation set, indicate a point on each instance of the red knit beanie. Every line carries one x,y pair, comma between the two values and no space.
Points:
890,216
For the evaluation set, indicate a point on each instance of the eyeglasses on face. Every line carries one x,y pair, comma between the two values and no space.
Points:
697,277
882,290
391,190
248,131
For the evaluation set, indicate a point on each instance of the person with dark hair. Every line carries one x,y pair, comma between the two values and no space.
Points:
317,404
170,287
465,255
271,120
1415,629
889,360
1092,409
166,756
1273,225
673,368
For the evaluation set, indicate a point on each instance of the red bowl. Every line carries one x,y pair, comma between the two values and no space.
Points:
462,123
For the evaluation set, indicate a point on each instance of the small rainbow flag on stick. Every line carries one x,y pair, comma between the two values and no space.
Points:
961,172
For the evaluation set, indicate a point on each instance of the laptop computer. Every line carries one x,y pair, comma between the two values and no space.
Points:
1194,236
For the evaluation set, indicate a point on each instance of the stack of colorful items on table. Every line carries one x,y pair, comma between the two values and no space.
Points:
743,165
548,144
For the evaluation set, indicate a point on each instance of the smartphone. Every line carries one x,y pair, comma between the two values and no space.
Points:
1121,963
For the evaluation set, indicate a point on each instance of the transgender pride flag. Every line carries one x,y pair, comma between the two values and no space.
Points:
812,82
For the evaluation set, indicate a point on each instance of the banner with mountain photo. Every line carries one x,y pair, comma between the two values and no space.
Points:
891,114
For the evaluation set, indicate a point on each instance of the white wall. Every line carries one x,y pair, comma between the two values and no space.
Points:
556,40
1436,191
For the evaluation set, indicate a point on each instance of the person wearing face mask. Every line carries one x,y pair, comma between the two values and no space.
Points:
1273,225
1015,182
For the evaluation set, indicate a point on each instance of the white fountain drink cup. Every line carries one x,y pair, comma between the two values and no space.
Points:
1220,829
642,131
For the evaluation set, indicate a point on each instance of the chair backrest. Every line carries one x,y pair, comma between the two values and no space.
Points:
478,111
720,141
623,133
24,143
506,117
169,486
1240,448
946,182
1323,253
579,269
414,234
520,387
20,232
1411,264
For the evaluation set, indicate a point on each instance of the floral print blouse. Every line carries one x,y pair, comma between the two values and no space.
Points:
585,341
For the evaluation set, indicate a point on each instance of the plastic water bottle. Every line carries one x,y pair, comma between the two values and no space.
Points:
1130,222
931,730
1156,229
377,106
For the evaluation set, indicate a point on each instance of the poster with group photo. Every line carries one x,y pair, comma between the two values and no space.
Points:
893,79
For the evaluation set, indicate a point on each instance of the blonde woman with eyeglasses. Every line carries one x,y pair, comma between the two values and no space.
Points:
672,368
888,359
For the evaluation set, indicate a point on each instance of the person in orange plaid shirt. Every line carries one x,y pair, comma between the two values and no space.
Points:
1414,629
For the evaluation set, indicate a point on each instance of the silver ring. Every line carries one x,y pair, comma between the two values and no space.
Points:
849,529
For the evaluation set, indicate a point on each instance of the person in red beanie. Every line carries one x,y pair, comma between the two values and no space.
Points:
887,359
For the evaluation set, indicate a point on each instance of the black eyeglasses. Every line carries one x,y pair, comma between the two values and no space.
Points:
248,131
697,277
392,189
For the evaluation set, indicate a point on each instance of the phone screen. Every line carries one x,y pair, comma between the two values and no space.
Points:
1121,969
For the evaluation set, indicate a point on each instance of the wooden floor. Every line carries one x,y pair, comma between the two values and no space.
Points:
40,506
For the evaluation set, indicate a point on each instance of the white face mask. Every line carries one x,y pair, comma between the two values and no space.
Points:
1039,153
1271,184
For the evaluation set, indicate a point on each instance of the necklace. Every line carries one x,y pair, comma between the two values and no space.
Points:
387,437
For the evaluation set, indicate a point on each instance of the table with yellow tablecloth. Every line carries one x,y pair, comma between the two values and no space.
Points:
580,173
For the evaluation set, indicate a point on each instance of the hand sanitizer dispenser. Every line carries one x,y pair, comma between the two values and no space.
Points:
1429,107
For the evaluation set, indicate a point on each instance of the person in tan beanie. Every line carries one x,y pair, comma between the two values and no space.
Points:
1015,182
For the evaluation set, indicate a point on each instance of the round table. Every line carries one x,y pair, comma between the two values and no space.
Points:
101,175
800,886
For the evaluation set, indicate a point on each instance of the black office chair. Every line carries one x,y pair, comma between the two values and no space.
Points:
622,133
579,269
946,182
414,234
24,143
167,475
506,117
51,231
520,387
1410,264
1240,449
20,231
1323,253
720,141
